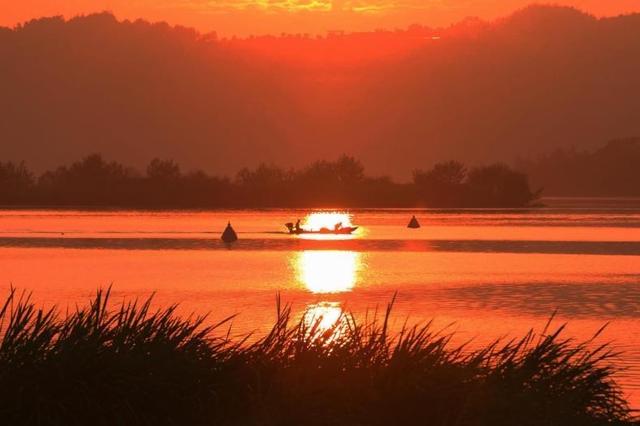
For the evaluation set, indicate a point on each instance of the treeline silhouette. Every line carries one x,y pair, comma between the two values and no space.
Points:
93,181
542,78
610,171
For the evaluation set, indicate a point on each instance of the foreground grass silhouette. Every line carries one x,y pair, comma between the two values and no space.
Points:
134,366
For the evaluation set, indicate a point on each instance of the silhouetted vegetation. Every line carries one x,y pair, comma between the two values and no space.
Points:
16,183
450,184
543,78
612,170
131,366
94,181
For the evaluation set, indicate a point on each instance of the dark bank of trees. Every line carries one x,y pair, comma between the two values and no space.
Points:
93,181
451,184
610,171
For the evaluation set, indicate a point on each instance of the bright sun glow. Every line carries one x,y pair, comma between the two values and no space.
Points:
328,271
324,315
319,220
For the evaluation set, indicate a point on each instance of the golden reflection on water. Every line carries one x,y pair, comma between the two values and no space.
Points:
327,271
327,220
318,220
323,315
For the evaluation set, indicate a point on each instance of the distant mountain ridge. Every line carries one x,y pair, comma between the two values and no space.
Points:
543,78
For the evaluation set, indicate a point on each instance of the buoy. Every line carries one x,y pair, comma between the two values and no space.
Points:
229,235
413,223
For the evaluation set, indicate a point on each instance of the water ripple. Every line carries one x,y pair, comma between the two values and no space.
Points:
629,248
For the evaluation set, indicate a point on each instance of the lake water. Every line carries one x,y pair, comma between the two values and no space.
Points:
485,274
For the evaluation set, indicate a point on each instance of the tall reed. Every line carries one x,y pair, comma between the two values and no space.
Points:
136,366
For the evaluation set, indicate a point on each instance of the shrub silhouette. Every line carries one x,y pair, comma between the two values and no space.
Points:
131,365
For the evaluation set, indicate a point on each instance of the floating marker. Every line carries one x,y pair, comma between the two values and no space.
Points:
229,235
413,223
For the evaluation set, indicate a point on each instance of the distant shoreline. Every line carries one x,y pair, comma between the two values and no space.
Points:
93,181
549,202
284,208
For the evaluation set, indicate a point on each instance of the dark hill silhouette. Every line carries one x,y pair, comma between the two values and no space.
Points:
544,78
541,79
126,89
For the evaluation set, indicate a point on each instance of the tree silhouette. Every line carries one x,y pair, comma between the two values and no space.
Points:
498,185
17,183
348,170
93,181
443,185
608,171
163,170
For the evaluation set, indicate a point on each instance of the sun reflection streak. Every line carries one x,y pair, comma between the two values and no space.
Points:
323,315
328,271
326,220
318,220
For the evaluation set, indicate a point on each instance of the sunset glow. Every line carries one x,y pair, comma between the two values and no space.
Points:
350,212
324,315
328,271
319,220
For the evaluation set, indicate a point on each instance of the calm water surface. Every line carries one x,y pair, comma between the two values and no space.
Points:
490,273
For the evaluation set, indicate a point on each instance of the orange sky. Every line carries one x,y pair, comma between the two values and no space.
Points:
243,17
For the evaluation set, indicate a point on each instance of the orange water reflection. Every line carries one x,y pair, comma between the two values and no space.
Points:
326,219
323,315
486,294
326,271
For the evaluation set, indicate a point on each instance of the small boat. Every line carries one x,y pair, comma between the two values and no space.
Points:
325,231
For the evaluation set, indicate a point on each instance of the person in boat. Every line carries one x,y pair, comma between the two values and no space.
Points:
297,226
337,227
